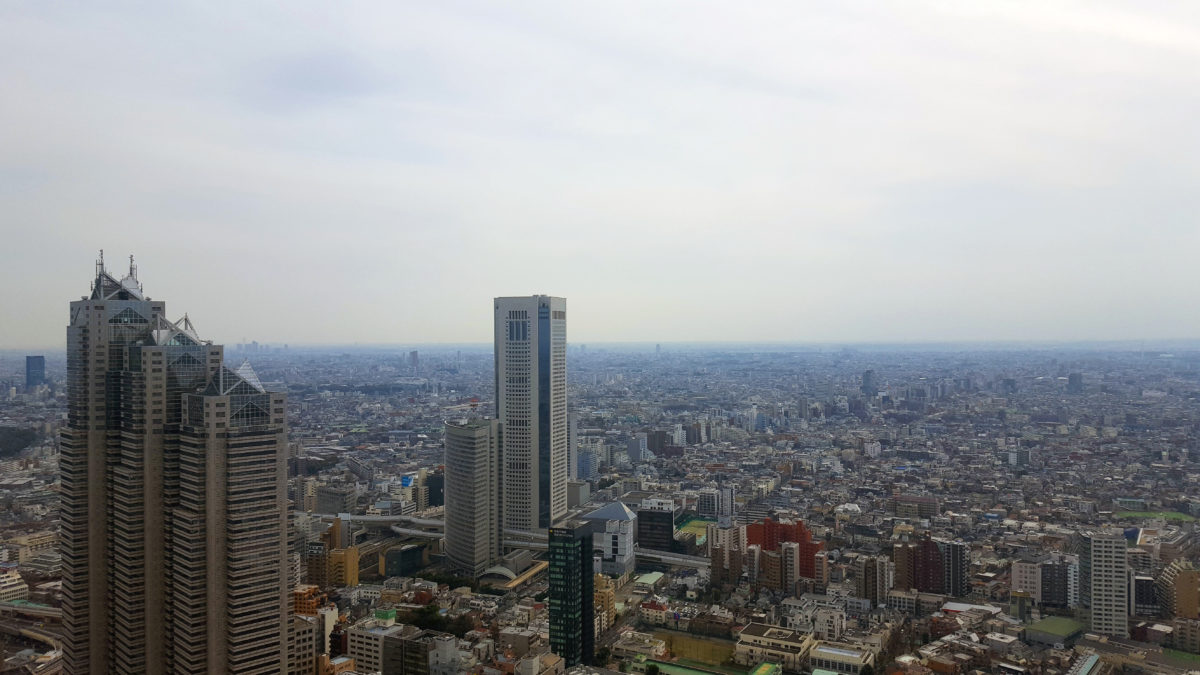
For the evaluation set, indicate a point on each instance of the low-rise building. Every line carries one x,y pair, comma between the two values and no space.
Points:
759,642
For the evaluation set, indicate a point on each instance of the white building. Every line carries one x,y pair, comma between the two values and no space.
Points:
613,539
1104,576
531,404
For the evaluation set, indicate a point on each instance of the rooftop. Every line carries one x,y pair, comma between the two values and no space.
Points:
1058,626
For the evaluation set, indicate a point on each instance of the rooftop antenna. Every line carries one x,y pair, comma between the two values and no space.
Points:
132,268
100,263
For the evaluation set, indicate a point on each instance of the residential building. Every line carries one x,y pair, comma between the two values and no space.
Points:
1105,582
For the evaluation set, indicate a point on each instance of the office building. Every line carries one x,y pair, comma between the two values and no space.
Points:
174,499
336,499
472,459
35,371
589,465
1104,581
656,525
572,592
531,404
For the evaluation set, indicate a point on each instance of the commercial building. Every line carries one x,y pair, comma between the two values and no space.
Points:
572,592
174,506
531,404
840,658
35,371
336,499
615,527
473,535
656,525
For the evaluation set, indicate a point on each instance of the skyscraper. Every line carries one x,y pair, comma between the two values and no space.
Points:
531,404
35,371
1104,581
174,497
473,535
572,592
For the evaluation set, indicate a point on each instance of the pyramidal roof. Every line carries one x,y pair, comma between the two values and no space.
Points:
106,286
181,332
247,373
240,381
611,511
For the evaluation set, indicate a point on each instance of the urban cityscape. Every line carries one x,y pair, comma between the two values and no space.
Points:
668,337
174,505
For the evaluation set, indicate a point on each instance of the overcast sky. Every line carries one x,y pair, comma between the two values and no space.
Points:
339,172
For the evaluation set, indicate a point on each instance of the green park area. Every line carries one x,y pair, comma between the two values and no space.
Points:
1165,515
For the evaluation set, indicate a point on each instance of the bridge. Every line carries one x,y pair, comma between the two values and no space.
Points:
412,526
381,521
35,611
44,635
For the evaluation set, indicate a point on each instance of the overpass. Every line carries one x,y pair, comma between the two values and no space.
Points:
43,635
25,609
381,520
412,526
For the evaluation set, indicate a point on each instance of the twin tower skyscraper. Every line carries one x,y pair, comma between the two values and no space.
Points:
509,474
174,511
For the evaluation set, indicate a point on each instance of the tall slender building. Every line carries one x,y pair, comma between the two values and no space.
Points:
35,371
531,404
473,535
1104,581
572,592
174,497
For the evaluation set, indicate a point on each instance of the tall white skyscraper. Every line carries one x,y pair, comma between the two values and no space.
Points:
531,404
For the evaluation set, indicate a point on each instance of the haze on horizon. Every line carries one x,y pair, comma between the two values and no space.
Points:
375,173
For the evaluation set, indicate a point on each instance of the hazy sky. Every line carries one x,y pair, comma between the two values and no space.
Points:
803,171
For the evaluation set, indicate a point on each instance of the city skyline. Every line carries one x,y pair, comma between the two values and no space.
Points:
822,173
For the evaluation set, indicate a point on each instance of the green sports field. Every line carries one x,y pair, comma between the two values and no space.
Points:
1167,515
